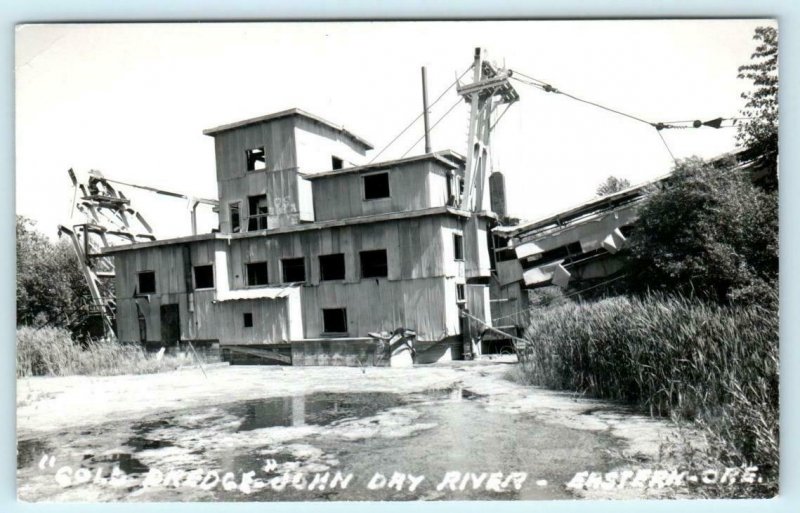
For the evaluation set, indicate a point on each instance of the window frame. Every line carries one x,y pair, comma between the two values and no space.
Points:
248,159
247,274
336,160
194,277
365,176
254,215
238,205
324,327
344,267
458,247
283,270
245,317
361,263
139,282
461,293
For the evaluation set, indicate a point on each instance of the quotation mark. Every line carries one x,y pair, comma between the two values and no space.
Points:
270,466
47,461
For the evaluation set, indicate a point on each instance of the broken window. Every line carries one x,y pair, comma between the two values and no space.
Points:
373,264
458,246
204,276
256,159
336,162
331,267
460,293
248,320
257,274
147,282
334,320
257,209
236,217
294,270
376,186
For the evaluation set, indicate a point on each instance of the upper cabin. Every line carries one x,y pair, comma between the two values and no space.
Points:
293,167
261,162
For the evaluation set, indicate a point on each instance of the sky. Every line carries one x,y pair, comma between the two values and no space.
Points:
132,100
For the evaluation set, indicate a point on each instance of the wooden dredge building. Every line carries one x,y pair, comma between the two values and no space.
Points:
318,249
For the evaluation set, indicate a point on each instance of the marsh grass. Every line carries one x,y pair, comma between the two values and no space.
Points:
52,352
714,366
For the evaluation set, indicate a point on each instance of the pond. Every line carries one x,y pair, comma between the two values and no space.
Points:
437,445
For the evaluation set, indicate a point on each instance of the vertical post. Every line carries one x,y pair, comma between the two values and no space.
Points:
474,126
425,112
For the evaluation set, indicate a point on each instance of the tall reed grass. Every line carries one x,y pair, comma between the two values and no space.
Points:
711,364
52,352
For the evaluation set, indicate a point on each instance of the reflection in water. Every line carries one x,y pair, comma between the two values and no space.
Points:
314,409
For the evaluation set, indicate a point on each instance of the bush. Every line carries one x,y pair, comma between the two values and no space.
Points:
709,232
714,364
52,352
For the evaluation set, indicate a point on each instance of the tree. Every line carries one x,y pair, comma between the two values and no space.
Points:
760,130
708,232
51,289
611,185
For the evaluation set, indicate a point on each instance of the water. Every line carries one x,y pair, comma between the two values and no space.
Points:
365,435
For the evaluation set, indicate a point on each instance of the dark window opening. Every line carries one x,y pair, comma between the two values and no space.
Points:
451,200
204,277
257,208
460,186
294,270
376,186
331,267
257,274
256,159
236,217
147,282
460,293
458,247
374,264
248,320
336,163
334,320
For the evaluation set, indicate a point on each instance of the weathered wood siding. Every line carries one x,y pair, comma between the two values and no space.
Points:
511,305
276,136
418,293
414,249
413,186
172,271
288,199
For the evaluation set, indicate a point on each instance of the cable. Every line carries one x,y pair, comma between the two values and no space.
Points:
550,89
432,127
508,106
667,146
420,115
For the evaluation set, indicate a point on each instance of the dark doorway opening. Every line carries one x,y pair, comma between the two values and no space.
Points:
170,324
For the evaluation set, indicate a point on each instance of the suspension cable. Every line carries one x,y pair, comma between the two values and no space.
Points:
420,115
